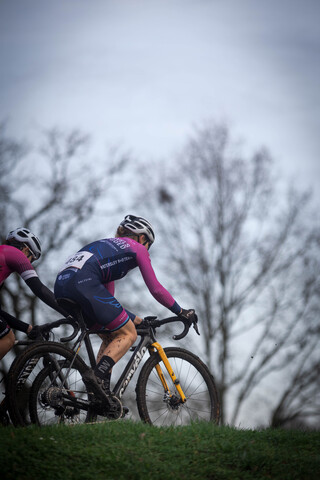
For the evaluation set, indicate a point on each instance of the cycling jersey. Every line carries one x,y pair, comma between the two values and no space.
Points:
88,278
13,260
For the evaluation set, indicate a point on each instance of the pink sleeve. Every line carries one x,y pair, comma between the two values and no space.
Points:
19,263
154,286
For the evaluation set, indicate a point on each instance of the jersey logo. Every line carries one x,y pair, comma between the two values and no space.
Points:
108,300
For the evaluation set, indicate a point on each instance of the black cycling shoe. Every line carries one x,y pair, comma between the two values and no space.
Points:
96,384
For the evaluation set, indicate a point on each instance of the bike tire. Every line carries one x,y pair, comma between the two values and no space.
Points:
197,383
17,391
38,357
43,414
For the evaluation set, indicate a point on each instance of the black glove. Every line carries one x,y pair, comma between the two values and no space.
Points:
191,316
35,333
188,314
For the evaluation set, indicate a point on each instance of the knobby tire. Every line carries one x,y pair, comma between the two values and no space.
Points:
41,377
196,381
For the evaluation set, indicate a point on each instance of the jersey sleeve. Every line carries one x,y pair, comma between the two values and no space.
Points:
13,322
18,262
156,289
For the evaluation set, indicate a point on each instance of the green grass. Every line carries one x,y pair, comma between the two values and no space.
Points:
128,450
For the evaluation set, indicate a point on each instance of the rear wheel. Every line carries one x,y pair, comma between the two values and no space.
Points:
161,408
55,394
44,388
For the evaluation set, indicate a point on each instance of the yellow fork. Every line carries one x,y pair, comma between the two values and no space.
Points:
164,358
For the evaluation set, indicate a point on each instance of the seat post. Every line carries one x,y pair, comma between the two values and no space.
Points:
76,311
91,355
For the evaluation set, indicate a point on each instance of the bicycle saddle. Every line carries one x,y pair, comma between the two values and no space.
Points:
70,306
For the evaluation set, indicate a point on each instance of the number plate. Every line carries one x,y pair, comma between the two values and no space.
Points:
77,260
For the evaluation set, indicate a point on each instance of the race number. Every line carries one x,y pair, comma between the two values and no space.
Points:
77,260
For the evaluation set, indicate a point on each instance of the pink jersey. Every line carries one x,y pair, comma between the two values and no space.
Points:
13,260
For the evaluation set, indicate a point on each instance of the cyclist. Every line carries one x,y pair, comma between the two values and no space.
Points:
87,278
21,248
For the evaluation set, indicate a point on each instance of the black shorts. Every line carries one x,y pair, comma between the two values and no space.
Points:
4,327
101,309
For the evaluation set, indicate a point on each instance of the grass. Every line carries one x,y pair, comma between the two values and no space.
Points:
128,450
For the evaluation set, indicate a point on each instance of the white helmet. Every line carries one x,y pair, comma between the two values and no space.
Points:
23,235
139,226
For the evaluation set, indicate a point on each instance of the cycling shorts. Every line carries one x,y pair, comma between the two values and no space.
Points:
4,327
101,310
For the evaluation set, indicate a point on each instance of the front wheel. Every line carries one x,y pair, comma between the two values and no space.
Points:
161,408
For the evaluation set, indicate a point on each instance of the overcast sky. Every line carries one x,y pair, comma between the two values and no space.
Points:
144,72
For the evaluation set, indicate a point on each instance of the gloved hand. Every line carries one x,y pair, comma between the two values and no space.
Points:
188,314
191,316
34,333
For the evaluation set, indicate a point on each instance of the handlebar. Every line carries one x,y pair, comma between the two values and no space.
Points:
47,327
153,322
147,323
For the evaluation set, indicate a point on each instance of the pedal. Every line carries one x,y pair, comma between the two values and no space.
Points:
113,410
116,410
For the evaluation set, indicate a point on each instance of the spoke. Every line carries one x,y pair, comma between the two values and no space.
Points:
162,409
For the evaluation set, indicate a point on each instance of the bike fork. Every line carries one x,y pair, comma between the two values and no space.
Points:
164,358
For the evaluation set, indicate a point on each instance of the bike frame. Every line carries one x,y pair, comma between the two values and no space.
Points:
147,342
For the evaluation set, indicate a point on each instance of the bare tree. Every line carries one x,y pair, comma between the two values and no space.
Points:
237,241
299,400
54,190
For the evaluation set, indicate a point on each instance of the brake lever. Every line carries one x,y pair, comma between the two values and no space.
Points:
195,323
195,326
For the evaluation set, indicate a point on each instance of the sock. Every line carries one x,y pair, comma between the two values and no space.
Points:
103,368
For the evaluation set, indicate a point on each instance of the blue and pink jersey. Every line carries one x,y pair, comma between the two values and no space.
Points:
105,261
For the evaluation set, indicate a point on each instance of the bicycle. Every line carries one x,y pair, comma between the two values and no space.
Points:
174,386
16,414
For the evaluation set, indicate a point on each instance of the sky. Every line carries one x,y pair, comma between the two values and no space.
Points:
144,73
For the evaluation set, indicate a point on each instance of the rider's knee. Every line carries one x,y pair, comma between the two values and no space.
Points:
134,336
10,339
6,343
131,336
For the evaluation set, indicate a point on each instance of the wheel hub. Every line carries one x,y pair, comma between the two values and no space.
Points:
173,402
52,397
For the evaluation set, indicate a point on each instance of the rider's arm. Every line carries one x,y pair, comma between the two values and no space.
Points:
14,322
18,262
154,286
43,292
